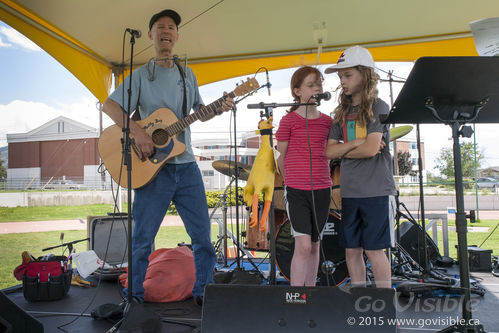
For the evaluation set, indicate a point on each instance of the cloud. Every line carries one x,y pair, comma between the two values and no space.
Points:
3,44
15,39
24,116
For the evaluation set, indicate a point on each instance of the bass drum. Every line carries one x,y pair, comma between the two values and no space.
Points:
285,245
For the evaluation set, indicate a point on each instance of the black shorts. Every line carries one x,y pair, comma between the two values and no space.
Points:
299,208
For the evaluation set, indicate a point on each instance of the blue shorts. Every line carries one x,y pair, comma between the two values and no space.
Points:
367,223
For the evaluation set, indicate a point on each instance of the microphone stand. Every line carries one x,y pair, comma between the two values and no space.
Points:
132,321
128,163
268,107
70,247
236,178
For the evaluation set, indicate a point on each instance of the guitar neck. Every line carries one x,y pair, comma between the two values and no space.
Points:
202,113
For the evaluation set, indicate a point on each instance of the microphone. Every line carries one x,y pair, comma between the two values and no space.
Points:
325,96
268,82
134,32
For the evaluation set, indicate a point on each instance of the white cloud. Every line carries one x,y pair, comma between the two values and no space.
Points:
16,39
3,44
24,116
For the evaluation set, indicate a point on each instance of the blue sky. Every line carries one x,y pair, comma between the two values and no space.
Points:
28,73
35,88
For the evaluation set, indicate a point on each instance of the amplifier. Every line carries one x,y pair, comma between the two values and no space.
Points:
112,229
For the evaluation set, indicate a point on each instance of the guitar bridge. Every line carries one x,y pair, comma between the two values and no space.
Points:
136,150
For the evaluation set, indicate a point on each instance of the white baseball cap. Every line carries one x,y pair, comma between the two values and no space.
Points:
351,57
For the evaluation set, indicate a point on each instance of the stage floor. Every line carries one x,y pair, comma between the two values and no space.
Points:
418,314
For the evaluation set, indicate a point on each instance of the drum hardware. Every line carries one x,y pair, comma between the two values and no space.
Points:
328,267
221,247
224,233
237,171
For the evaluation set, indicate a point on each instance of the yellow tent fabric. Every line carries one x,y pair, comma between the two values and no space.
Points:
51,25
78,59
215,71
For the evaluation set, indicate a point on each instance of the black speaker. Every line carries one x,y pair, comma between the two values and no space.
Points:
479,259
244,308
13,319
412,242
100,230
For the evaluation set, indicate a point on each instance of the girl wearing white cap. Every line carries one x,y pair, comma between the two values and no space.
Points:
367,186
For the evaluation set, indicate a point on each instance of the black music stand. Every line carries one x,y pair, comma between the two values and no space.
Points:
453,91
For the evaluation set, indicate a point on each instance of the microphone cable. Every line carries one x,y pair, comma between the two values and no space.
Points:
314,215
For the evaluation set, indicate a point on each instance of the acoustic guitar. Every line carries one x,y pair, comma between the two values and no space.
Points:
163,126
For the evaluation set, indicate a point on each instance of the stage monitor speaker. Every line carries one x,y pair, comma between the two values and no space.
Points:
410,240
244,308
98,231
13,319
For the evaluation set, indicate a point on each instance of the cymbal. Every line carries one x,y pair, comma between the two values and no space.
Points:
227,168
399,131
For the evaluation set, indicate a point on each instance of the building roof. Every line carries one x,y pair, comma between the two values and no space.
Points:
60,128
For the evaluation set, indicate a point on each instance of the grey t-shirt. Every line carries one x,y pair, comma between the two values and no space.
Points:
367,177
165,91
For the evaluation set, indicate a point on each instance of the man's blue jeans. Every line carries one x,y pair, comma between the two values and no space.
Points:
183,185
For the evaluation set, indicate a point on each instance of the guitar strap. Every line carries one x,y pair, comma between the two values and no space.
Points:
182,74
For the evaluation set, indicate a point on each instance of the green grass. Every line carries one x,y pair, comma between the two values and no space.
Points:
46,213
12,245
474,238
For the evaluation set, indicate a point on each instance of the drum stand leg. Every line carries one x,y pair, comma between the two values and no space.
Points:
224,219
222,254
225,233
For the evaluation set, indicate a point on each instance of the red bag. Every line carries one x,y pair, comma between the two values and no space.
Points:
170,275
47,280
44,270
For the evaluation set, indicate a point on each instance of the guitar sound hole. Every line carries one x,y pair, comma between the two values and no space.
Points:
160,137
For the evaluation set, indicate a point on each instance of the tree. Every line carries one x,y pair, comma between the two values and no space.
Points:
3,172
445,161
404,163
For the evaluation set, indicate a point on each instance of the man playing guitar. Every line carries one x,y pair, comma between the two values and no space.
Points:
162,83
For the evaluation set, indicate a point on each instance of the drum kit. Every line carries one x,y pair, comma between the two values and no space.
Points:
260,241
